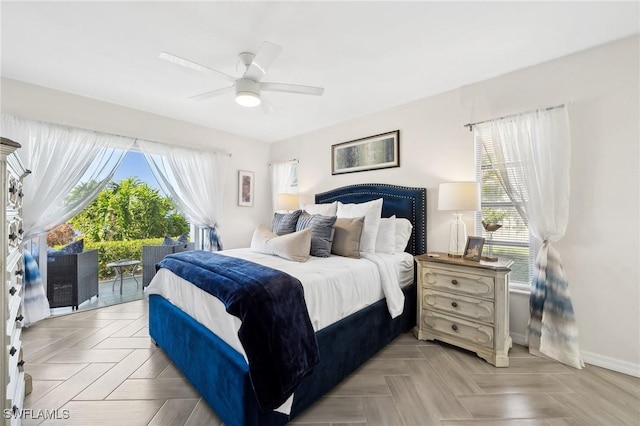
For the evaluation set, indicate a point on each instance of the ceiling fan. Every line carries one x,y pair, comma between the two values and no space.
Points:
248,88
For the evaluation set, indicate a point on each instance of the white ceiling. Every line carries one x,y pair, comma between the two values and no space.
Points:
369,56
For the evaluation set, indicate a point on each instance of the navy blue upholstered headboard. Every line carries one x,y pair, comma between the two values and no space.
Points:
402,201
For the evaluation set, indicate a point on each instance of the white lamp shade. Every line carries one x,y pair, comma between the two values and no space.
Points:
287,202
459,196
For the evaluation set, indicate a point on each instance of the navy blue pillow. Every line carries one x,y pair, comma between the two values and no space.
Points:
168,241
183,239
73,248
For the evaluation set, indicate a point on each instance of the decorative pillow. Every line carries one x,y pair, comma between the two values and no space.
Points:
346,239
328,209
371,212
285,223
71,248
294,246
321,232
183,239
403,233
386,239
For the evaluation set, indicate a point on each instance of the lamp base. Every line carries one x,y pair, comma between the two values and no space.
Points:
457,236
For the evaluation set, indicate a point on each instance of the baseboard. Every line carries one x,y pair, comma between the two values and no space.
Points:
609,363
519,339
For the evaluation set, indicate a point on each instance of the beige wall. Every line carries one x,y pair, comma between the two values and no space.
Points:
601,247
238,223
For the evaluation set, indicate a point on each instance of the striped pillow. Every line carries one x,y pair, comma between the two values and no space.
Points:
285,223
321,232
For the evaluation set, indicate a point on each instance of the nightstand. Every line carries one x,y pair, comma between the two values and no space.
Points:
466,304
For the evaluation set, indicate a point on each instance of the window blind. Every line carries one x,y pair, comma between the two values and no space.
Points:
513,240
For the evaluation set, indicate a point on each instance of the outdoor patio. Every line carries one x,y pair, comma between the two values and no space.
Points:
107,296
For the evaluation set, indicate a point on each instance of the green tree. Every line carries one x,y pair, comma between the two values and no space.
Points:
129,210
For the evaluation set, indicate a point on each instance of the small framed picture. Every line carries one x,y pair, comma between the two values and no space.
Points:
473,249
245,188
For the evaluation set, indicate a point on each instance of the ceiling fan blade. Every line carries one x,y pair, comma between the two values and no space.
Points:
190,64
212,93
262,61
292,88
267,106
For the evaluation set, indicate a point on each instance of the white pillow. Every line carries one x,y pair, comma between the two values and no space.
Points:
403,233
328,209
386,239
295,246
371,212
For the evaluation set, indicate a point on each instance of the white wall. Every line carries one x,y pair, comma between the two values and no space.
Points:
601,247
238,223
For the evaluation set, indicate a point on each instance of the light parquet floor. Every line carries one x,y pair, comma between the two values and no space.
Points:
101,366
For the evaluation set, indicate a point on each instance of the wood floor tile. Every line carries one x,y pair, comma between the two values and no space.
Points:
152,367
564,422
134,327
514,406
37,332
519,351
53,372
71,322
333,410
101,334
411,340
408,402
494,422
90,355
154,389
106,384
143,332
51,350
381,411
126,343
174,412
400,352
40,389
203,415
595,408
70,388
383,367
108,413
118,315
533,364
361,385
518,383
171,372
457,381
469,362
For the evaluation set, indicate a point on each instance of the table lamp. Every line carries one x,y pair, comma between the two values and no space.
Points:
459,197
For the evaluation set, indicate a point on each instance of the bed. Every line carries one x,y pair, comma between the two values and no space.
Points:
220,372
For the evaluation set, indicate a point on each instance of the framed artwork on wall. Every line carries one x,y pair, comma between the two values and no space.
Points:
245,188
370,153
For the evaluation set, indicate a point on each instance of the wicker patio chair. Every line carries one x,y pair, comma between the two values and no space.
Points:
154,254
72,278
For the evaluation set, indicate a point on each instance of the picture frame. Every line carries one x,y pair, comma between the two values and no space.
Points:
245,188
374,152
473,249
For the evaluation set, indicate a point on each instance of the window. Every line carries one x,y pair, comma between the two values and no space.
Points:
513,240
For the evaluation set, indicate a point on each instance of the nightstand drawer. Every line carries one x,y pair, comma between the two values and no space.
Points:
469,307
461,282
474,333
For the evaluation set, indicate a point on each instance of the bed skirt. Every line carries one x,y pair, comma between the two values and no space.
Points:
221,375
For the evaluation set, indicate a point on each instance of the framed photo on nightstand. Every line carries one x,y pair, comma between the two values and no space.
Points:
473,249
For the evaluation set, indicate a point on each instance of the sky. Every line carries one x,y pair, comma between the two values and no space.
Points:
134,164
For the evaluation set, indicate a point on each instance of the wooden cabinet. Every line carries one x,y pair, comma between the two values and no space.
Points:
466,304
12,388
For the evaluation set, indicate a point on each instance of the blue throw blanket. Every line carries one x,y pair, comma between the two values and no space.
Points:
276,332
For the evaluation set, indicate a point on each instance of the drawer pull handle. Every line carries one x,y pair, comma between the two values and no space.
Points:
454,282
12,189
20,231
21,363
12,236
454,304
12,351
19,272
19,318
20,194
454,327
15,409
12,291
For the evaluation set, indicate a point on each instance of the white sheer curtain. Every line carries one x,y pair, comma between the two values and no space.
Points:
69,166
284,179
536,147
195,179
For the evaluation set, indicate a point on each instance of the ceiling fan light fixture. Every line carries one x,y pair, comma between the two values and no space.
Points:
247,99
